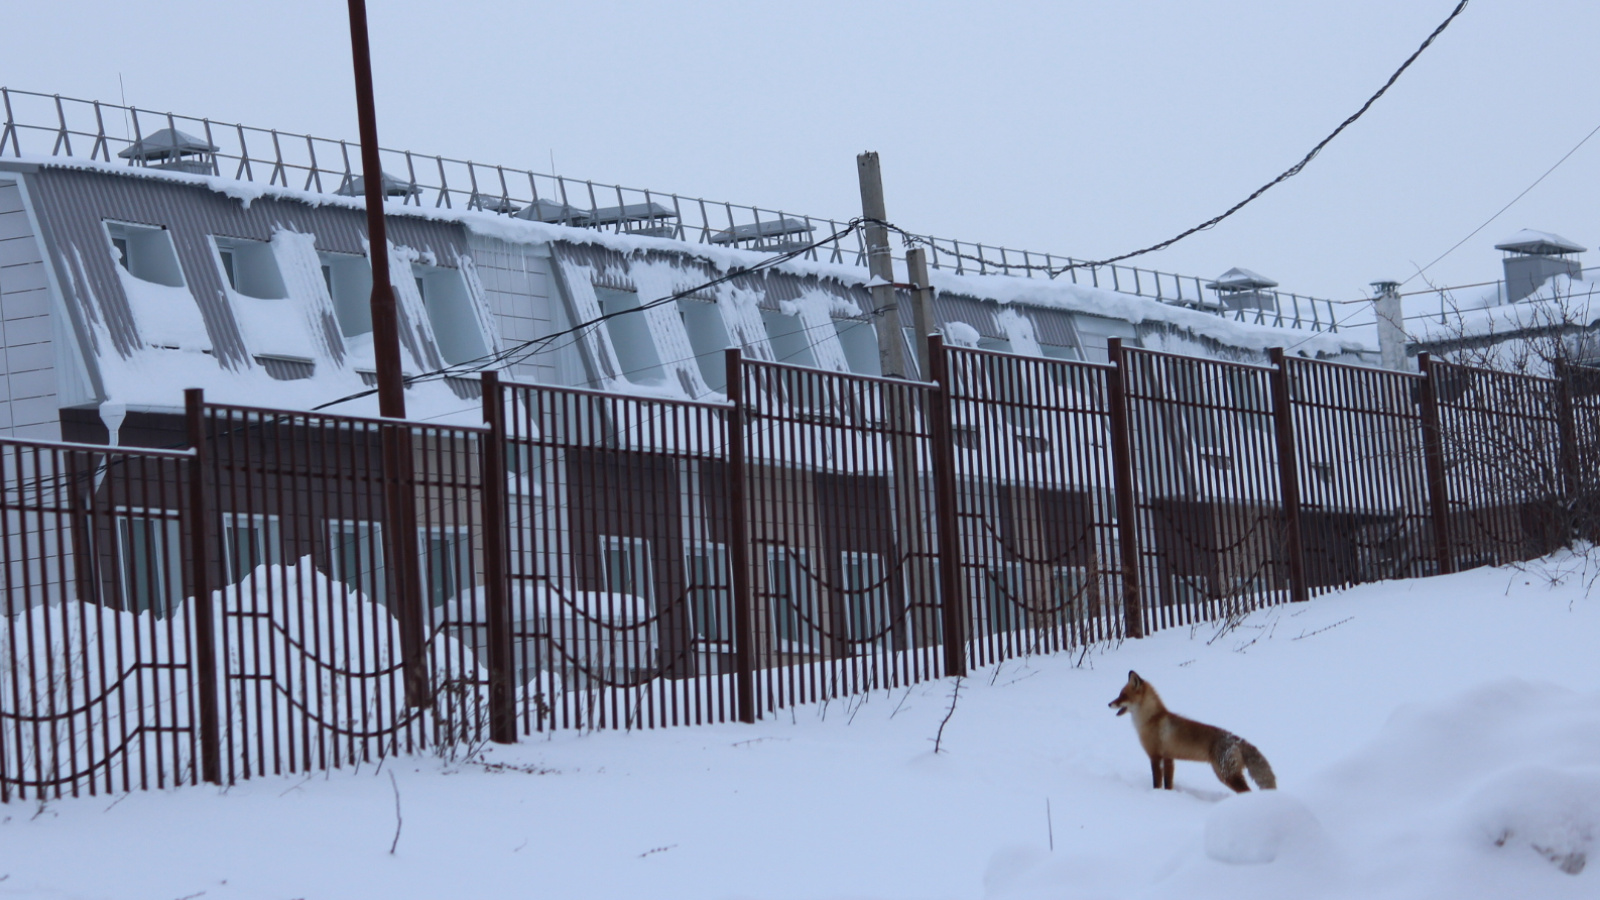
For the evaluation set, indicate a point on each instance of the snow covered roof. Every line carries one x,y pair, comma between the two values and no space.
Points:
1241,279
168,143
1540,243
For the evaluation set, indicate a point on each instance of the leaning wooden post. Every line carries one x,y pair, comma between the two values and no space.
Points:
1288,477
941,442
1433,458
205,635
744,626
496,598
1122,479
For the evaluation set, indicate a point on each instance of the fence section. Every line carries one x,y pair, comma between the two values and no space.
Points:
843,542
591,560
1039,556
1212,529
1361,457
1502,464
97,646
620,559
340,642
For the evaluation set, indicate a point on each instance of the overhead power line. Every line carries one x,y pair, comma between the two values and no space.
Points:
1285,176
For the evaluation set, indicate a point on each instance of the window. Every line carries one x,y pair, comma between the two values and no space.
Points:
710,592
866,597
708,335
791,345
793,602
349,281
446,563
146,252
1071,593
149,560
250,268
788,338
452,313
626,567
1003,597
1250,397
248,541
630,336
355,551
860,342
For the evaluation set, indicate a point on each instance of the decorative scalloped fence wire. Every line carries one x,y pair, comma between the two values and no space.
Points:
317,670
619,555
95,641
842,541
1040,560
1362,472
1211,518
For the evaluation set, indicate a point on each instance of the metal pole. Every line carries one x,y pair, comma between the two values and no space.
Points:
405,569
1122,476
941,441
744,650
921,308
496,600
205,635
891,341
385,319
1433,458
1288,477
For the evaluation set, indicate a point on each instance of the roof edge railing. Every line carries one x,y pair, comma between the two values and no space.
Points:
187,144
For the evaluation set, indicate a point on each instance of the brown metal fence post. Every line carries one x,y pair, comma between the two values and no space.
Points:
1289,477
738,548
941,440
205,635
402,561
502,683
1433,457
1122,475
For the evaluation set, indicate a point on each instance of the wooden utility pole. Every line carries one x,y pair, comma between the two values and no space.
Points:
891,341
921,308
402,563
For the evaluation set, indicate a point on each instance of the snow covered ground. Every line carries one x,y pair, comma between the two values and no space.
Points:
1432,738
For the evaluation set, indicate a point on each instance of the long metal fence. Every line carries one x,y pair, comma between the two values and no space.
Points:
587,560
51,125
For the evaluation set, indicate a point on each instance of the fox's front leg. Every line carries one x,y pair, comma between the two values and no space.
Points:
1166,772
1155,772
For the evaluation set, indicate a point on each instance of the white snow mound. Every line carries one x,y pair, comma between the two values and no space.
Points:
1255,828
1553,812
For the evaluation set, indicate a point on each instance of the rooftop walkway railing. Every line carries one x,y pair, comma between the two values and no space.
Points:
51,125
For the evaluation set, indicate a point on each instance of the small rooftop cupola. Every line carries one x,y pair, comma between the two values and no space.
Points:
356,186
1240,288
1534,257
175,150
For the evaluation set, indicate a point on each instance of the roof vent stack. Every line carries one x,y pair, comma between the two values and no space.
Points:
1534,257
1240,289
173,150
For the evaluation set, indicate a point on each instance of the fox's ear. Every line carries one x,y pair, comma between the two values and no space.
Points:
1133,679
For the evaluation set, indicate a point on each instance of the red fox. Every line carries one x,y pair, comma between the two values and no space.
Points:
1167,736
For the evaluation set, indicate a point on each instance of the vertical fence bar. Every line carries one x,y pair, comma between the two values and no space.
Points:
941,441
492,482
738,547
1433,455
1288,477
1122,476
205,650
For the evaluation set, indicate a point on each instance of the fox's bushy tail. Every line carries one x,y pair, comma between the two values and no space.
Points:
1260,771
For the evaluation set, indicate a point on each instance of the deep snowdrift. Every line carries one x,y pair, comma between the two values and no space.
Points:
1432,738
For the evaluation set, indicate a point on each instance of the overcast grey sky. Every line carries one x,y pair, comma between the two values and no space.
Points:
1081,128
